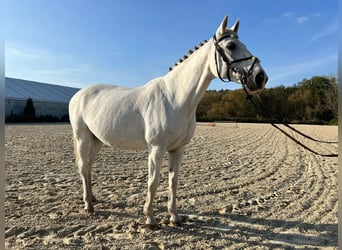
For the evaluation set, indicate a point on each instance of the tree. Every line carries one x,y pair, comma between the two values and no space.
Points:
309,101
29,111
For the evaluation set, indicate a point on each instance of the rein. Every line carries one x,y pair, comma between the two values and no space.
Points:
280,121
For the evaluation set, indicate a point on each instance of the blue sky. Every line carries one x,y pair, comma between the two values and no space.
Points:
129,42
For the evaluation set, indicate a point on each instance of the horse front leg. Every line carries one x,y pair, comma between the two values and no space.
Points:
154,162
175,158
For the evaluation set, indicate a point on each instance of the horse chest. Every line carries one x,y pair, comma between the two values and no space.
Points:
182,137
173,133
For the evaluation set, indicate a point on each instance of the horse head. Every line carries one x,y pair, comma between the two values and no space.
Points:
233,61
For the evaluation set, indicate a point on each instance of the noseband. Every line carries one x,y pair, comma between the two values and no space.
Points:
230,63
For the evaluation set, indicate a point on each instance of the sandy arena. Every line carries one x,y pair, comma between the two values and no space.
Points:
241,186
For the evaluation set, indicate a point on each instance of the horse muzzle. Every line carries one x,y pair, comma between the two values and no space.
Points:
257,80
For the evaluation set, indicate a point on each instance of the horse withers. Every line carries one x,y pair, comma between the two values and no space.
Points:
160,115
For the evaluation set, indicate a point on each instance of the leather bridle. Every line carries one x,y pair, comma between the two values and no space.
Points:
230,63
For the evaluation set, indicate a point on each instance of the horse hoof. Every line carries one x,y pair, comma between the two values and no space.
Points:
175,223
89,210
152,227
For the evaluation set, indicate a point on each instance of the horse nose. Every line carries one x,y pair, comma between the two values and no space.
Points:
261,79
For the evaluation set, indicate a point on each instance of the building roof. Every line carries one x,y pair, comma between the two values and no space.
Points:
38,91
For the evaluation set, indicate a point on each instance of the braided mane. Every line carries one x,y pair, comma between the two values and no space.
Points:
190,51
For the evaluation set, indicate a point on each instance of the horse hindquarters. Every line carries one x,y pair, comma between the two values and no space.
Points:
86,148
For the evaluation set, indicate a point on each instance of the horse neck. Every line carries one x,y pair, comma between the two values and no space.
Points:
188,81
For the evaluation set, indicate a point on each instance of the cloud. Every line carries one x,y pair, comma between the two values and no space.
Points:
12,51
299,19
302,68
331,29
302,19
287,14
44,65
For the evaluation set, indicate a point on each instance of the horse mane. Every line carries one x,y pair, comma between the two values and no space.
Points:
190,51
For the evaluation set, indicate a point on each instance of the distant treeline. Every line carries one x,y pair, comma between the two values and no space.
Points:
312,101
29,115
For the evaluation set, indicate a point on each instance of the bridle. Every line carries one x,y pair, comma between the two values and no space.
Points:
230,63
244,82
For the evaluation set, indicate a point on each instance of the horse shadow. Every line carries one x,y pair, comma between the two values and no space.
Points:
235,228
269,233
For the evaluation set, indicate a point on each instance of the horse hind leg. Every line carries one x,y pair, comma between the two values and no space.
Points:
85,151
96,146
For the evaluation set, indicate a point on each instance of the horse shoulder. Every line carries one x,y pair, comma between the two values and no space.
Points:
165,122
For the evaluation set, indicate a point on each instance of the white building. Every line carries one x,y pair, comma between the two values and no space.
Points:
48,99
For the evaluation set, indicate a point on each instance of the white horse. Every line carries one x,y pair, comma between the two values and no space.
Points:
160,115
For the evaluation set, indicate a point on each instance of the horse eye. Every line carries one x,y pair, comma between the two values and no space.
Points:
231,46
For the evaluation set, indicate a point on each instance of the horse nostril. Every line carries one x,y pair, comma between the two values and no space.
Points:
260,79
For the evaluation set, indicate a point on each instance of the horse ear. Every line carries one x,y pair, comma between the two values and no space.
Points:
235,27
222,28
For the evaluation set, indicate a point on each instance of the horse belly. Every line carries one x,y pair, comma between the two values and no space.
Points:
122,134
128,141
